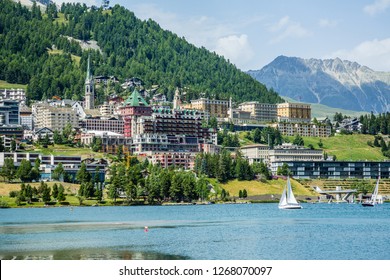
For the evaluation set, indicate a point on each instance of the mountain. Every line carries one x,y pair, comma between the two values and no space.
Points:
332,82
36,49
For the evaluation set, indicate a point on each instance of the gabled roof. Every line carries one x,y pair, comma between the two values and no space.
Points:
135,99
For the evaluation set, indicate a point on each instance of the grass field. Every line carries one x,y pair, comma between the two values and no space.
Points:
347,147
5,187
6,85
255,188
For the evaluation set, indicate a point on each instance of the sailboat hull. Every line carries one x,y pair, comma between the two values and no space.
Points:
368,204
290,206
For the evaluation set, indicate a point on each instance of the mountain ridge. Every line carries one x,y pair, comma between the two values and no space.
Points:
332,82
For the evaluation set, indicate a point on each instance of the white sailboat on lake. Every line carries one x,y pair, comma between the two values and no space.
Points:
373,200
288,200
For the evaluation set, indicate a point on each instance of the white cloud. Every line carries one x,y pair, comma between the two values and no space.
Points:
377,7
374,54
206,31
236,48
327,23
287,28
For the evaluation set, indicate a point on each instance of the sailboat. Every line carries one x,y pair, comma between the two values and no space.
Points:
373,200
288,201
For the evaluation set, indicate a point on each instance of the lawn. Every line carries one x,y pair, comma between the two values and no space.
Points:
347,147
6,85
5,187
259,188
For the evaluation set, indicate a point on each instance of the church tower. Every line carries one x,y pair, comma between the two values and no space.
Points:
176,100
89,89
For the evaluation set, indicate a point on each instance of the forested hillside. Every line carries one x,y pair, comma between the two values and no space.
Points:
34,50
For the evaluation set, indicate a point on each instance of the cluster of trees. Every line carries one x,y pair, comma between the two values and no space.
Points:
268,135
372,124
160,185
227,139
243,193
223,167
29,194
25,172
380,143
130,48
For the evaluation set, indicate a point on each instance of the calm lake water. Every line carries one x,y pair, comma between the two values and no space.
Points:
238,231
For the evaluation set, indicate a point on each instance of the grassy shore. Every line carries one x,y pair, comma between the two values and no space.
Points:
267,188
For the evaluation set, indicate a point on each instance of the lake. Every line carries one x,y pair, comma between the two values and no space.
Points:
207,232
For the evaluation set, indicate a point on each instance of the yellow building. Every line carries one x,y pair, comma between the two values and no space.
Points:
294,112
215,108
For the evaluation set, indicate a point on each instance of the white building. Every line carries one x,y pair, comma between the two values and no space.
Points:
13,94
54,118
256,153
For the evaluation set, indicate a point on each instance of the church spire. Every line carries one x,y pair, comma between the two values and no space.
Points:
89,89
89,75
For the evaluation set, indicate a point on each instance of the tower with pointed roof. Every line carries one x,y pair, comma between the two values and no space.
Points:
89,89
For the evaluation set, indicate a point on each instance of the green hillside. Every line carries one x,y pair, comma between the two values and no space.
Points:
35,50
347,147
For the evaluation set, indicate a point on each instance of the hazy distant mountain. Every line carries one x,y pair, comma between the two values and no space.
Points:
332,82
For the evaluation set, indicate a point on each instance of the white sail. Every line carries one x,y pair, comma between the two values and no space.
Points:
290,195
288,201
373,200
375,192
283,199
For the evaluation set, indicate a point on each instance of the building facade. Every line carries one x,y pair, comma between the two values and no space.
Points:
54,118
9,112
100,124
294,112
303,129
13,94
173,122
337,169
133,108
215,108
261,112
256,153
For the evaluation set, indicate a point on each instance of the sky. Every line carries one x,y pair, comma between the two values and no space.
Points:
252,33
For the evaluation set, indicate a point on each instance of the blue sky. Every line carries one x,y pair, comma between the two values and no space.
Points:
251,33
